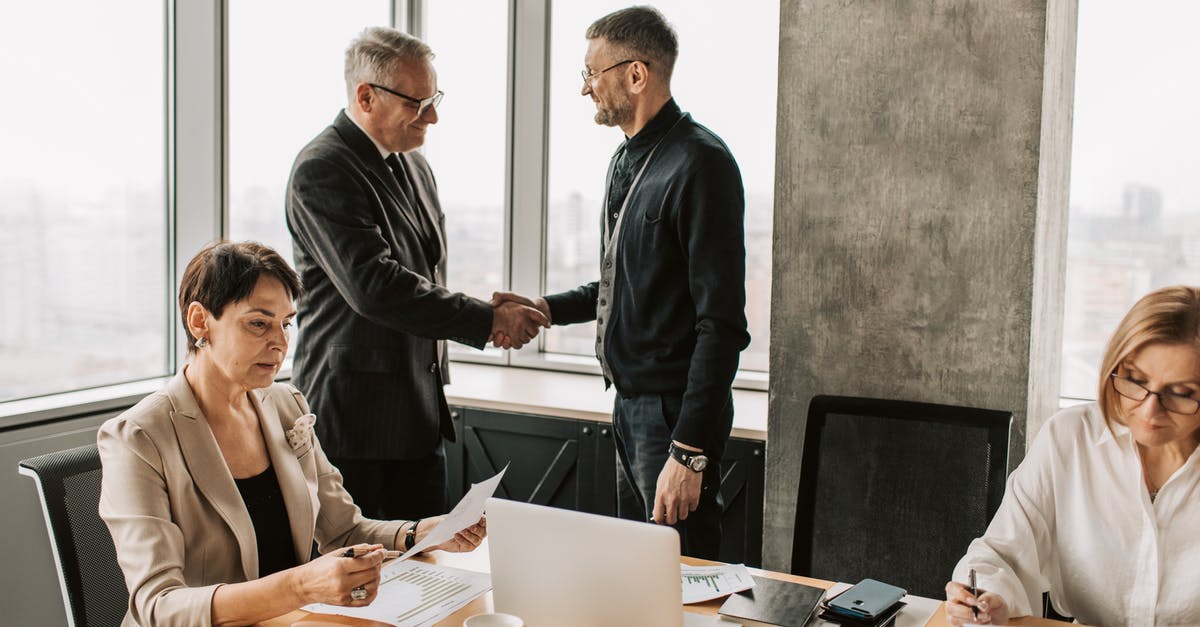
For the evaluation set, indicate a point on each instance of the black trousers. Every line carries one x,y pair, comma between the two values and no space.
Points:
390,489
642,425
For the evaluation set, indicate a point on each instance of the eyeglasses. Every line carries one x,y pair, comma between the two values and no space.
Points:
1134,391
588,77
423,104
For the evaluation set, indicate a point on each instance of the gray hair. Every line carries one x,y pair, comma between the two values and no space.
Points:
640,34
374,55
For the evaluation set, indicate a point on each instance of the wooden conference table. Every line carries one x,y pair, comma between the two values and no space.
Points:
478,561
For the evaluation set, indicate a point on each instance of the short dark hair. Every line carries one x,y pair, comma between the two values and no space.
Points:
642,34
226,272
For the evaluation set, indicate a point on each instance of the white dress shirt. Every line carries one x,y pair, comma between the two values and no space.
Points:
1077,520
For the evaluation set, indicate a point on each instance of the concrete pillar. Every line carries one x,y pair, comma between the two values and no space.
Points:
920,213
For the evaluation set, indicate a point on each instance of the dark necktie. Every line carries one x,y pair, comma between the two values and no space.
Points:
406,188
428,232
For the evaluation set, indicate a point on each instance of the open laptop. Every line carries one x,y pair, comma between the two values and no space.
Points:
556,567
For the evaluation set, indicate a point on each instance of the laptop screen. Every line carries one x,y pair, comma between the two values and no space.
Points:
556,567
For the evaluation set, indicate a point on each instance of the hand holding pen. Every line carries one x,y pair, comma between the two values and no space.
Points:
359,551
347,577
967,604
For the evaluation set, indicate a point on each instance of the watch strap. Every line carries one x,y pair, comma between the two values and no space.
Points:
684,456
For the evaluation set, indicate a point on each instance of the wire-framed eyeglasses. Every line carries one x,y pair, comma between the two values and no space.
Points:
589,76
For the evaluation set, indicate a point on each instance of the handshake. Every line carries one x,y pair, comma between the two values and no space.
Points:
515,319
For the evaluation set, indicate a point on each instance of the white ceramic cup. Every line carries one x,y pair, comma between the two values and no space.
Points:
494,620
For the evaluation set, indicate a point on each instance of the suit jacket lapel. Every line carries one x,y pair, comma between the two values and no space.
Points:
297,498
209,471
425,205
368,155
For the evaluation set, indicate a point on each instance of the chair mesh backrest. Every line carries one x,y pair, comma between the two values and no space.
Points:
95,585
895,490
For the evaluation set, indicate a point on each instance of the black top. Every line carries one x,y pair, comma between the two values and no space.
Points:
678,320
272,529
633,152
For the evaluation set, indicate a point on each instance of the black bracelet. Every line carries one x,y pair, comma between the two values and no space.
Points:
410,536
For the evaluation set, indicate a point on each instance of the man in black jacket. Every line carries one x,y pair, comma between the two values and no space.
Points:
670,303
368,237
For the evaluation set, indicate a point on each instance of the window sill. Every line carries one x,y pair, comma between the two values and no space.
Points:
504,388
65,405
571,395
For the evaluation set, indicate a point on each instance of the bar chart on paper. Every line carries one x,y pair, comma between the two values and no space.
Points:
414,593
701,583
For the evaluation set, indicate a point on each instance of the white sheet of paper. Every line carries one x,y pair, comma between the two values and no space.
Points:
702,583
415,593
466,513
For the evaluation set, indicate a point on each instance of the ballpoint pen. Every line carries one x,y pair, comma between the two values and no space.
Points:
359,552
974,592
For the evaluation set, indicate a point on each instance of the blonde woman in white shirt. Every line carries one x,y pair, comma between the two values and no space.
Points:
1104,511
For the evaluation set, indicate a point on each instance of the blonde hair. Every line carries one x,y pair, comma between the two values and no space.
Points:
1170,315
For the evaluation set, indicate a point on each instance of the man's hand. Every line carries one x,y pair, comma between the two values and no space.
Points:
502,338
514,324
677,493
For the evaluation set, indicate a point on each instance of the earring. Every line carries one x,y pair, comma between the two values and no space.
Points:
202,343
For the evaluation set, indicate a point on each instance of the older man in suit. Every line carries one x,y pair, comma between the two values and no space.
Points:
369,242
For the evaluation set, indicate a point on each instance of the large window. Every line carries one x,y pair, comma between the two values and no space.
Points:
83,259
467,147
127,164
580,149
1135,196
285,85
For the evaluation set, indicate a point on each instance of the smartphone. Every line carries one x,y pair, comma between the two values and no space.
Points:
866,600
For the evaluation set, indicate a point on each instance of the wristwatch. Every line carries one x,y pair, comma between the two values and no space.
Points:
696,462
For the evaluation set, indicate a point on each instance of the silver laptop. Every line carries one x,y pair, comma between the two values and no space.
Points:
556,567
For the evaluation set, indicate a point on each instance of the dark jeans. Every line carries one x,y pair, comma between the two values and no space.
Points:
642,426
390,489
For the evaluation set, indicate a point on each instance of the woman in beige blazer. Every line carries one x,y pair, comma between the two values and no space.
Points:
215,488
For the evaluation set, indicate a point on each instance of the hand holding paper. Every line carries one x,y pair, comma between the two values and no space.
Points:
463,517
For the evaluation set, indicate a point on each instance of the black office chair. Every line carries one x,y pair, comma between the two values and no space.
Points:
92,584
895,490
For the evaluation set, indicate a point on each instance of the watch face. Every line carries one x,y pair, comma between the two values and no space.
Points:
698,463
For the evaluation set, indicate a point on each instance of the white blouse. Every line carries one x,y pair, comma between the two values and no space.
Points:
1077,520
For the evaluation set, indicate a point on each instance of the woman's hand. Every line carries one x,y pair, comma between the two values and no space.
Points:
959,601
466,540
332,578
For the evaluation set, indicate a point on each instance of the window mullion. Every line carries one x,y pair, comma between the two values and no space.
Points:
197,138
529,71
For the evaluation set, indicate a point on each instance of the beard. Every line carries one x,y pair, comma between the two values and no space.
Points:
617,112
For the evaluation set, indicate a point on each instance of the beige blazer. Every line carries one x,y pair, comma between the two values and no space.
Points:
177,519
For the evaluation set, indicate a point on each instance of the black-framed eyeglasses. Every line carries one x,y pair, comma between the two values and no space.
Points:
588,76
1174,403
423,104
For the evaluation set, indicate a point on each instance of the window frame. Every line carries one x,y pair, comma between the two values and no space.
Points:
197,180
526,195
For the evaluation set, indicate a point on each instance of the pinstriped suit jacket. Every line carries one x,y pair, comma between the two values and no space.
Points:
373,262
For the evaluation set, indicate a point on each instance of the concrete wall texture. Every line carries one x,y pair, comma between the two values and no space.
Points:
920,203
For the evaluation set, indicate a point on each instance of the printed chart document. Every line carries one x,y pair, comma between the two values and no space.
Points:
466,513
702,583
415,593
